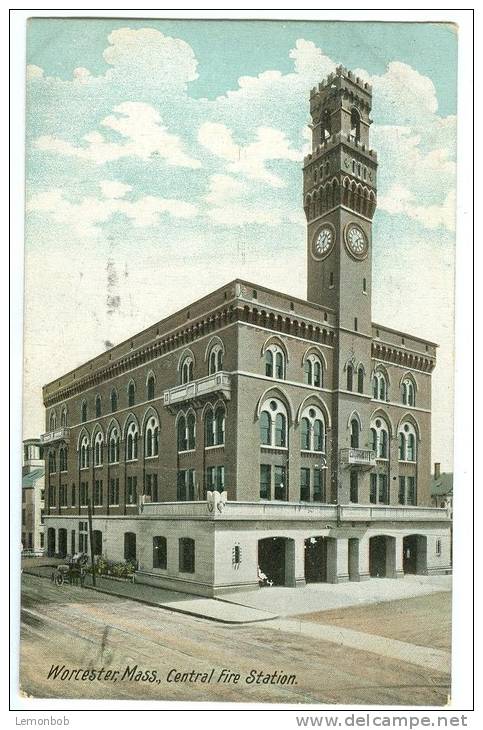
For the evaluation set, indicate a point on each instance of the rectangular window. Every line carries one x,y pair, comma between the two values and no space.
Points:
186,555
355,323
354,487
373,493
132,485
23,517
160,553
280,483
402,490
72,542
151,488
84,494
114,492
305,485
265,481
42,538
73,495
411,495
186,485
318,492
52,496
383,495
24,498
98,493
438,547
331,278
42,494
83,541
42,516
63,495
31,542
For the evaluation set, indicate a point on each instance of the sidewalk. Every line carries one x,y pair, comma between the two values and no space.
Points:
207,608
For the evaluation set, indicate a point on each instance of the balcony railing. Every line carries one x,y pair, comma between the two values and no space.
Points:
60,434
197,389
358,457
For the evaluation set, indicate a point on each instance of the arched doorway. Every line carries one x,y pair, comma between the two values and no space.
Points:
276,561
382,556
130,546
62,542
50,542
97,542
415,554
315,559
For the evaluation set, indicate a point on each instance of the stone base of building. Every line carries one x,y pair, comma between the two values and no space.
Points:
183,547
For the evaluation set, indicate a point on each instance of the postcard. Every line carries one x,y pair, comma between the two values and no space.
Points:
237,477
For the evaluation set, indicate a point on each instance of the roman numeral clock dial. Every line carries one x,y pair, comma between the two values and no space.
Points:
356,241
323,241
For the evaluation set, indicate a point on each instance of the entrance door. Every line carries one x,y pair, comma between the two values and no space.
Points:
62,542
315,560
414,554
51,542
130,546
276,564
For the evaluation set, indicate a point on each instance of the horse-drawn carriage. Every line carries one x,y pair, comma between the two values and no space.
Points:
73,571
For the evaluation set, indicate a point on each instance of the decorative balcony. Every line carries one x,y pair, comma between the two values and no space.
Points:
60,434
365,458
197,390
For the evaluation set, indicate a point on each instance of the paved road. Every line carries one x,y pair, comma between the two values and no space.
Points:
78,628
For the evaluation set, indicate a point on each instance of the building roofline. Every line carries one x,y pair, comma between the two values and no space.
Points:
405,334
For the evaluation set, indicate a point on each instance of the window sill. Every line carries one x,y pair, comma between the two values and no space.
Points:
187,451
113,463
131,461
114,505
153,456
267,447
215,446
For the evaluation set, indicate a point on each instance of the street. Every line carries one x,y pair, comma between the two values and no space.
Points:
69,628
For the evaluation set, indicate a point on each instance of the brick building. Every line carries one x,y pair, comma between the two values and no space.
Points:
256,432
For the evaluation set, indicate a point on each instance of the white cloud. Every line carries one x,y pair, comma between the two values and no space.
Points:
114,188
86,215
249,160
144,137
34,72
401,201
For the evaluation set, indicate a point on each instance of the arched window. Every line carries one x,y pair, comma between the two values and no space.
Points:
219,426
182,442
209,428
187,370
98,406
280,430
402,446
53,421
275,363
312,430
151,440
380,438
407,443
160,552
305,434
360,379
150,388
350,377
63,458
114,446
98,443
84,452
265,428
354,434
131,394
132,442
63,417
273,424
269,364
313,372
191,431
215,360
408,392
379,386
355,125
113,400
83,412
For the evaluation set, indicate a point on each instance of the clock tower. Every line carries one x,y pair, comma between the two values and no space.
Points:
339,202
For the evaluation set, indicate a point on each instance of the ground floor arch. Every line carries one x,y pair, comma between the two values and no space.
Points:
276,561
130,546
382,556
51,542
315,559
62,545
415,554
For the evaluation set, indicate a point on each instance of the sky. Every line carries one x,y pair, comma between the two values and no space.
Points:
163,159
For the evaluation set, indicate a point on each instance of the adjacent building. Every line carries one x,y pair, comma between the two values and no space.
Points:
254,433
33,501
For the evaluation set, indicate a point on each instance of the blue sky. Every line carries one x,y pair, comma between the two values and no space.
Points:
164,159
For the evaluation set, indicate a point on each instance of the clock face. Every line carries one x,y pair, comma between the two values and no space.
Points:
323,241
356,241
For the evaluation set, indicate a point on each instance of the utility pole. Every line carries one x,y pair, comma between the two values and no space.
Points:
91,539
